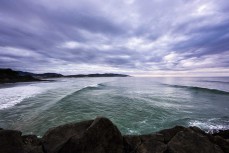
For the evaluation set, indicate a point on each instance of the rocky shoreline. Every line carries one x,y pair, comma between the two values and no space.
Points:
102,136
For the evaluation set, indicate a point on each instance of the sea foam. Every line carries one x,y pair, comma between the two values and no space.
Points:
209,126
11,96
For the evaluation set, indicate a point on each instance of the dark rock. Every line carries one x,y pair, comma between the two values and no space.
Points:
32,144
224,144
31,140
197,130
11,141
152,147
168,134
188,141
155,136
131,143
54,138
1,128
152,143
101,137
222,133
33,149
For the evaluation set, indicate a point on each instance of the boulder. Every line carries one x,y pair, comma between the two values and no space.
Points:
11,141
223,133
56,137
32,140
33,149
101,137
198,130
224,144
151,143
168,134
131,143
32,144
152,146
188,141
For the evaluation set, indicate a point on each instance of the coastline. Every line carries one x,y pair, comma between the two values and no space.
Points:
102,136
12,76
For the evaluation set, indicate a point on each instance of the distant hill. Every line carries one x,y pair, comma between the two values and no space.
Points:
97,75
41,76
10,76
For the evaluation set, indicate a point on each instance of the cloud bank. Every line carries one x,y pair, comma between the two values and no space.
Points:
142,38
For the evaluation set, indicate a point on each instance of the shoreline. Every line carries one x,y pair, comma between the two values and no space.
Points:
102,136
12,76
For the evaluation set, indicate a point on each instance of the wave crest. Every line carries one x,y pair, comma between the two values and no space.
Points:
209,126
195,88
86,88
9,97
224,82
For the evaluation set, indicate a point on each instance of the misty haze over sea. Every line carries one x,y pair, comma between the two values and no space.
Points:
135,105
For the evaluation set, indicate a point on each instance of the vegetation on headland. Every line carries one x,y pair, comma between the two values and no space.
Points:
11,76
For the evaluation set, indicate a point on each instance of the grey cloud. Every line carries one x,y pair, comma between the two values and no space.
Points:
210,40
41,27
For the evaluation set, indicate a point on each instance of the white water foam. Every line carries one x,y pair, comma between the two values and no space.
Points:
90,86
93,85
208,126
9,97
131,131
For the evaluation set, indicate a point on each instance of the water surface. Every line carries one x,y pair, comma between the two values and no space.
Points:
135,105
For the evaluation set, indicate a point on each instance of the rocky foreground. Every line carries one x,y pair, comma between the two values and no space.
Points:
102,136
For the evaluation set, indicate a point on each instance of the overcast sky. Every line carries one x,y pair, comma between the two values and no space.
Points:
136,37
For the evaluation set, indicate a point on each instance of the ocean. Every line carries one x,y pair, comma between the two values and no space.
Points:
136,105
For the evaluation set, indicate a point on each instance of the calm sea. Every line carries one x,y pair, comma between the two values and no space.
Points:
135,105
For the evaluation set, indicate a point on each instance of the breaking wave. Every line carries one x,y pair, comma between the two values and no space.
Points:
209,126
9,97
84,89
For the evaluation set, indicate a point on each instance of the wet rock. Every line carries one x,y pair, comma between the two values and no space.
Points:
188,141
197,130
223,133
152,146
32,144
101,137
55,138
168,134
131,143
151,143
224,144
31,140
33,149
11,141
